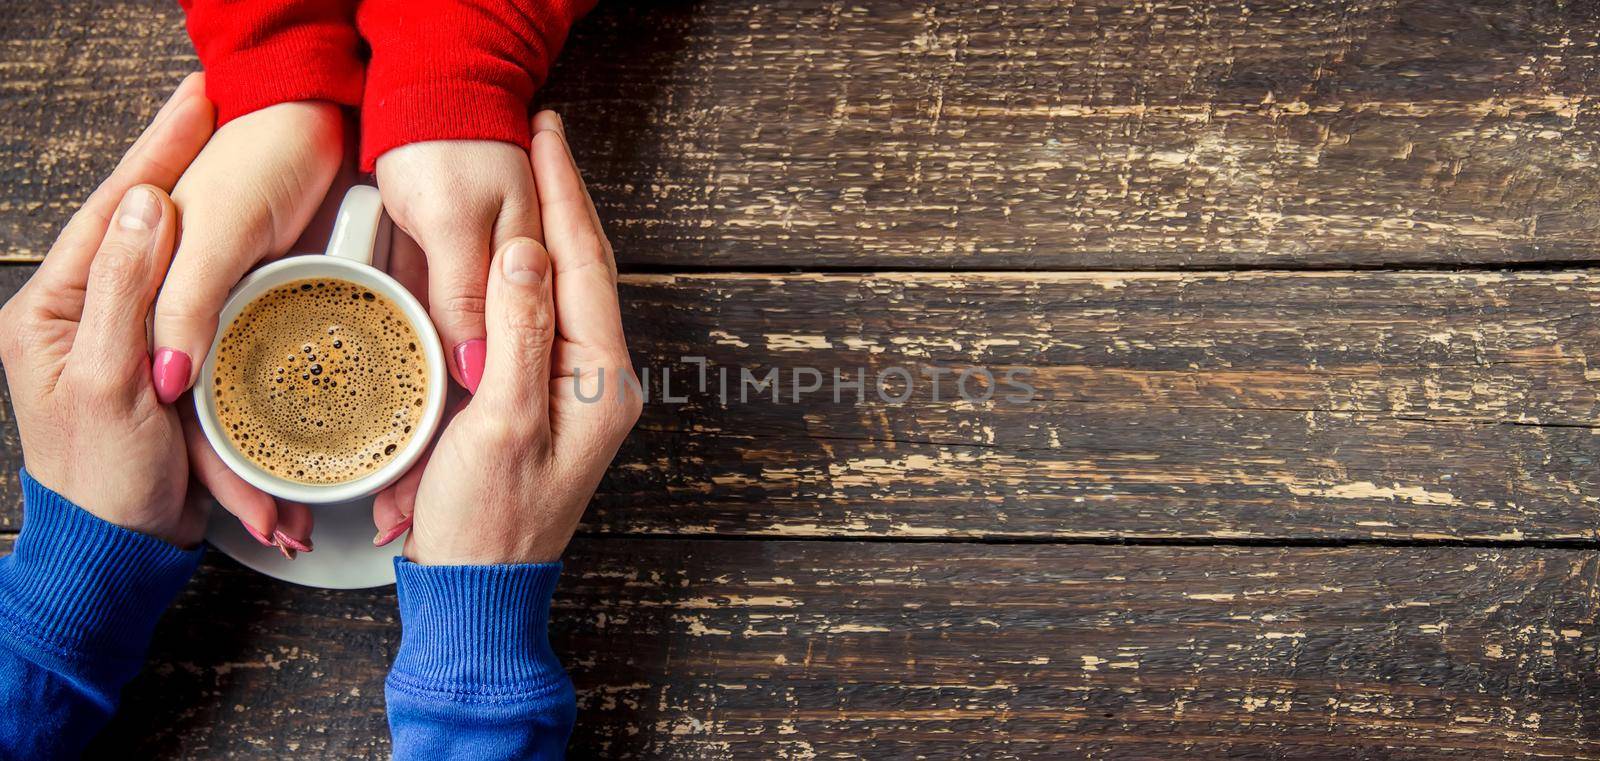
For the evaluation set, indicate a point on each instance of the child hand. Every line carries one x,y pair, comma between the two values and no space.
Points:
75,351
459,201
514,470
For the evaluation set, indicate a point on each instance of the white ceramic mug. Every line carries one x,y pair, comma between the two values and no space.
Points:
356,235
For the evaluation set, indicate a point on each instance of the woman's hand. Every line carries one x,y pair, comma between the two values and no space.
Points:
513,471
248,197
75,350
459,201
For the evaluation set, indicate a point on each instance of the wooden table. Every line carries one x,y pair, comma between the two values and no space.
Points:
1305,287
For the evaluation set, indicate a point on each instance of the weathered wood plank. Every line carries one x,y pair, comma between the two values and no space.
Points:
722,649
937,134
78,81
1263,405
1240,405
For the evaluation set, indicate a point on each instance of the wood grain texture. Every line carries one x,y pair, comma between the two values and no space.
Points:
1048,134
1248,405
773,649
956,600
78,82
1415,406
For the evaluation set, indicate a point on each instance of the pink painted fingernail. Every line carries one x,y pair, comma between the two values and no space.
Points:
284,540
170,371
385,537
257,535
469,362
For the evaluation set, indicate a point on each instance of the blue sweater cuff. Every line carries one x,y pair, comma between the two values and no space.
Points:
80,588
476,631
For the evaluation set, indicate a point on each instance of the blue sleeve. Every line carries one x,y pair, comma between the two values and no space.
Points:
79,600
475,677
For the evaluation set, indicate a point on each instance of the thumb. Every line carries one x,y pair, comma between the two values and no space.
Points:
214,253
457,281
123,277
520,317
247,197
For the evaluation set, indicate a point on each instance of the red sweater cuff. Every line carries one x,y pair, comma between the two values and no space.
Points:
441,109
259,53
284,71
447,70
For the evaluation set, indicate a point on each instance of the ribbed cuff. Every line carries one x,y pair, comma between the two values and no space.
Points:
80,587
292,66
476,630
441,109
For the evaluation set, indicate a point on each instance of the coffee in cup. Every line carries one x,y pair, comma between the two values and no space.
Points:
325,382
320,381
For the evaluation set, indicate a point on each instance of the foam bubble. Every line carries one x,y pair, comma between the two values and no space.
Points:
312,378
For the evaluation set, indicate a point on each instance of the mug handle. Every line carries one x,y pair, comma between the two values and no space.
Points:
356,228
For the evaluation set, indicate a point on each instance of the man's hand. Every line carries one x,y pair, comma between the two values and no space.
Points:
75,351
514,470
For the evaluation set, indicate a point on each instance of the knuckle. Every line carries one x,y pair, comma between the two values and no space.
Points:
461,303
499,432
182,311
630,409
624,417
429,215
529,332
118,268
92,387
24,337
227,217
622,413
520,203
511,432
447,218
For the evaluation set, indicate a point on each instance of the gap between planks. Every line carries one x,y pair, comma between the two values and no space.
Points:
7,536
1310,269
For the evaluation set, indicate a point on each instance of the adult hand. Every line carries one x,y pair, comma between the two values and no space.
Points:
75,351
514,469
459,201
246,199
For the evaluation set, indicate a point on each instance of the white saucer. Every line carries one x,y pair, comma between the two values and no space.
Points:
344,557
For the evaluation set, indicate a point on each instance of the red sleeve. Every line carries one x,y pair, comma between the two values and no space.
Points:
453,70
258,53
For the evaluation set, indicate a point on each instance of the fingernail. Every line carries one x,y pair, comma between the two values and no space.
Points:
288,553
524,263
257,535
385,537
139,210
284,540
469,362
560,125
170,370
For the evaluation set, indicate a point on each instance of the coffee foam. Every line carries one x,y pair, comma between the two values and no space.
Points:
320,381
